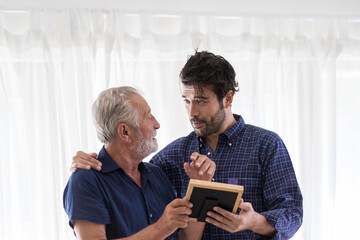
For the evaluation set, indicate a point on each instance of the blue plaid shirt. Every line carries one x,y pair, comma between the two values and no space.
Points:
258,159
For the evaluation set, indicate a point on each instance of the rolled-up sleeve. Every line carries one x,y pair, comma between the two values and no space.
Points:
282,196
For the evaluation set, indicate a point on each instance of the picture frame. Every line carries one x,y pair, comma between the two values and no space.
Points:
204,195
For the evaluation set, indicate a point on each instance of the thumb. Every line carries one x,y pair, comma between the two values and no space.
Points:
245,206
241,203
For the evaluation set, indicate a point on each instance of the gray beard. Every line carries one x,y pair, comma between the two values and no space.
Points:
142,147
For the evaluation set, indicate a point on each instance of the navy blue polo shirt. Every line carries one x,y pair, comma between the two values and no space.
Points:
112,198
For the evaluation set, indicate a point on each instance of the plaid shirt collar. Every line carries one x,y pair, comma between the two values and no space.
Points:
230,134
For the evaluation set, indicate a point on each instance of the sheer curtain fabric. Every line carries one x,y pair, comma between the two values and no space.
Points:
298,76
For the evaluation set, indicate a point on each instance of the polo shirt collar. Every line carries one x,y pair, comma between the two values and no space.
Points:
109,165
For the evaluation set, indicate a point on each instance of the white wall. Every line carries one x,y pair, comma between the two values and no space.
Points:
286,7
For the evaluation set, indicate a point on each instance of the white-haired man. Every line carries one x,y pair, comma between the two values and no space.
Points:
128,198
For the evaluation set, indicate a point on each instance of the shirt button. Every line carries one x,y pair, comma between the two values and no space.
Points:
230,144
209,153
150,215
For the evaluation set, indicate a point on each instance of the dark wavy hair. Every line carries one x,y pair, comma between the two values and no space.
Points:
205,69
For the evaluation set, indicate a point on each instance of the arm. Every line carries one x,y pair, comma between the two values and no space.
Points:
282,215
89,230
201,167
176,215
95,231
193,231
282,196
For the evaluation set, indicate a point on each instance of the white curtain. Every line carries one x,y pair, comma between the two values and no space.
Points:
298,76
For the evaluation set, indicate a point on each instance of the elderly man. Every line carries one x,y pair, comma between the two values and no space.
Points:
127,198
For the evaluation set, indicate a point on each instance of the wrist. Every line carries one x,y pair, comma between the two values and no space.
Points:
262,226
159,231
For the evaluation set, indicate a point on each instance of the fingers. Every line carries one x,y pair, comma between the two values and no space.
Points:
85,161
217,220
180,207
94,155
219,224
91,157
181,202
198,159
211,169
224,219
75,166
176,215
203,164
190,170
223,212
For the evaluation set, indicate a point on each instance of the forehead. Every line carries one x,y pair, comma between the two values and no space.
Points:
140,103
191,91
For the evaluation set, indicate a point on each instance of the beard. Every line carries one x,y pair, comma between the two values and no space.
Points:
211,126
144,147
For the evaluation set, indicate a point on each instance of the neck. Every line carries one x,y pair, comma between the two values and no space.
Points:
125,159
213,139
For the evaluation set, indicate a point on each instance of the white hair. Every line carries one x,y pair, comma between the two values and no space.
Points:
111,108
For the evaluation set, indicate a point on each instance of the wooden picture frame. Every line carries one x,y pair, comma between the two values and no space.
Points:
204,195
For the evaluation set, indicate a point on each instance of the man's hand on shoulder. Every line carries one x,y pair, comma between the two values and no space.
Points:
201,167
85,161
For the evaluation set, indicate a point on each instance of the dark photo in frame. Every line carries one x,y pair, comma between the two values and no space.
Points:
204,195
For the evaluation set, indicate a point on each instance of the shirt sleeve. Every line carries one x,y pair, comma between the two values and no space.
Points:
83,199
282,195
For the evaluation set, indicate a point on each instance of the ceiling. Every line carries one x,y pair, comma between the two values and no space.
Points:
285,7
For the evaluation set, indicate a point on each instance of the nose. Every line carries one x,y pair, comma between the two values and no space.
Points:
192,111
156,124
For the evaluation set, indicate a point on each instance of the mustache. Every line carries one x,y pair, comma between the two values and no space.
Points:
195,119
154,134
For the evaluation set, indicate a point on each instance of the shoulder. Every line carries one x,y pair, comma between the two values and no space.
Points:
83,175
180,144
82,185
179,148
84,197
158,174
155,170
151,167
82,180
259,134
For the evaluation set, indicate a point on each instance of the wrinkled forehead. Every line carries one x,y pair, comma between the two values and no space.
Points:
139,103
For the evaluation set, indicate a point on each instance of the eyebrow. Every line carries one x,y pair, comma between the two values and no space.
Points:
197,97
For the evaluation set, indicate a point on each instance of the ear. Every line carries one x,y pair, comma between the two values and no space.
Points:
228,99
123,131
